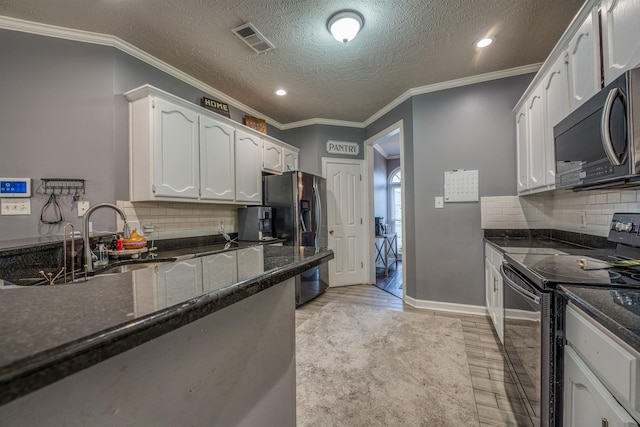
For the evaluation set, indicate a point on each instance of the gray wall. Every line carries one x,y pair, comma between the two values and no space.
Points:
311,140
470,127
63,115
380,195
392,164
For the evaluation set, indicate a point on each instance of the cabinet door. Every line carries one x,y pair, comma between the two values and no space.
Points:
219,270
584,62
179,281
176,151
271,157
522,152
488,285
290,160
248,168
217,160
620,37
250,262
498,303
556,108
586,400
535,140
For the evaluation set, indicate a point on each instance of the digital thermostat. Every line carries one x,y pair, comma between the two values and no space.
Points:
15,187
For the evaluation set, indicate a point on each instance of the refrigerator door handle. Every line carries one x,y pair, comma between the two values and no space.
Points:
318,206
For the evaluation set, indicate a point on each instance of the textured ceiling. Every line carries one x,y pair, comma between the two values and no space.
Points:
404,44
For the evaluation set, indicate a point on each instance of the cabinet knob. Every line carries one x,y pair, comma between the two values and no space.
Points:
331,232
605,422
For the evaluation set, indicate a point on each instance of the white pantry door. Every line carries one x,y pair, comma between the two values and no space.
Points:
344,221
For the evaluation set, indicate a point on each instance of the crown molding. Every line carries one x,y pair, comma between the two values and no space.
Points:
113,41
381,151
465,81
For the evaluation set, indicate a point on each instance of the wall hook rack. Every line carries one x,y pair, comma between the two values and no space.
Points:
63,187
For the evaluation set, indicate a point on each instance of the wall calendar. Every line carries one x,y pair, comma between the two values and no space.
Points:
461,186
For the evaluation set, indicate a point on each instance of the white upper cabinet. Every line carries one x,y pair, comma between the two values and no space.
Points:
272,157
248,168
620,37
290,160
583,60
556,107
176,151
185,153
217,160
535,140
523,157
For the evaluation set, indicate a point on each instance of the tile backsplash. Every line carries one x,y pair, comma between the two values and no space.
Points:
559,209
172,220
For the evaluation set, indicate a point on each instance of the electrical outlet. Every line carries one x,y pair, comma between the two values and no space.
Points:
439,202
83,207
583,219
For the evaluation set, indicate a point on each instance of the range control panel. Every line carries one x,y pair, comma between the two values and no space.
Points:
625,229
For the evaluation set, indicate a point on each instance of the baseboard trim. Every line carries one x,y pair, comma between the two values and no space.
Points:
478,310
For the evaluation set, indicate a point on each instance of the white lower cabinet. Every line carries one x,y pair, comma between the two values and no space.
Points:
494,289
587,402
601,383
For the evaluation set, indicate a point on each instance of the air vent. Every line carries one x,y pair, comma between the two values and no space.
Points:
253,38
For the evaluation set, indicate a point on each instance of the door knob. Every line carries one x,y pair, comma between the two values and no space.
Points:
331,232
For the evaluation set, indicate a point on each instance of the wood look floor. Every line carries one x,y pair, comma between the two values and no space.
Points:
494,395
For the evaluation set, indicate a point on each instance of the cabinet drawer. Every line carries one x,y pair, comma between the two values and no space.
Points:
613,364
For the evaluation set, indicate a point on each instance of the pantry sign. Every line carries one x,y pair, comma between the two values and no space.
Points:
344,148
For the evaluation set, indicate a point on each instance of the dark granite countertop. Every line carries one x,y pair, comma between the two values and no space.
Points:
609,306
49,332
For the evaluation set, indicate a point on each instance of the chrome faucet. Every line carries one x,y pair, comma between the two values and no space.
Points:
88,266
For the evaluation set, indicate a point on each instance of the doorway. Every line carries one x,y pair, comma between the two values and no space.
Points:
383,153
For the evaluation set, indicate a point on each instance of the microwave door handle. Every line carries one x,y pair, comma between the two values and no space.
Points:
513,285
605,128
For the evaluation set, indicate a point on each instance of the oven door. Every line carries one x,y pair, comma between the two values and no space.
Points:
528,343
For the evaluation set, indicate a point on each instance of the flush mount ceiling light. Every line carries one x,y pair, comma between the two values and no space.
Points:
484,42
344,25
281,92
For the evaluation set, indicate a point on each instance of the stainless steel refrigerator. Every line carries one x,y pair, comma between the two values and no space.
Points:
299,210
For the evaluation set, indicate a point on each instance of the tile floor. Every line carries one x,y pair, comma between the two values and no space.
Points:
493,387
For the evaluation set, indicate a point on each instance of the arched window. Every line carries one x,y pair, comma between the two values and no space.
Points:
395,205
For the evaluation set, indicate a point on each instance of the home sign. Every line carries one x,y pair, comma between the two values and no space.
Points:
217,106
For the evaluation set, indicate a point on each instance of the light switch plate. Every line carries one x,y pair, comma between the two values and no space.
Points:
15,206
439,202
83,207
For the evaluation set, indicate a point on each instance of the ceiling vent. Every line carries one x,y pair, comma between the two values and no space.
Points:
253,38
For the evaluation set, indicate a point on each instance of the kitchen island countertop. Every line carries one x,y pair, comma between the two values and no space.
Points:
50,332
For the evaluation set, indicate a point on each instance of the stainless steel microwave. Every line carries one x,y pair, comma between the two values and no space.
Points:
598,144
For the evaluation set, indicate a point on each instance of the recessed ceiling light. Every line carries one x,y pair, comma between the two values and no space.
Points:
281,92
484,42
